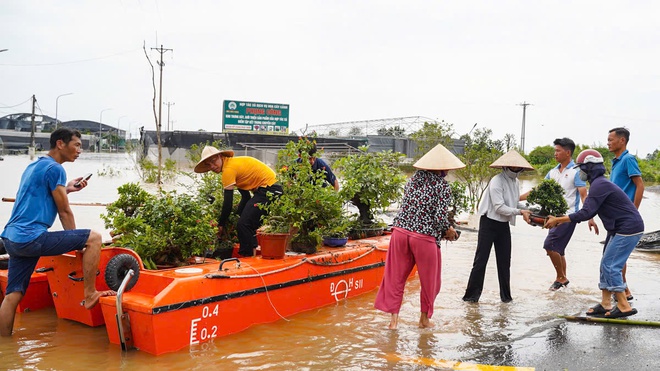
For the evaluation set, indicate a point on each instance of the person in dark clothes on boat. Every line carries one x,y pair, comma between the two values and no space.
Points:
624,227
43,194
625,174
253,179
422,221
498,209
318,165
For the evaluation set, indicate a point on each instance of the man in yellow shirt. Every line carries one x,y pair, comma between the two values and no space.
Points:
253,179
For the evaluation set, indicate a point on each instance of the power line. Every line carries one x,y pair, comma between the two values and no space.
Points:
68,62
20,104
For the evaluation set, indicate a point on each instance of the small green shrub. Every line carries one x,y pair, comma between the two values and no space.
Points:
167,228
372,181
308,203
549,195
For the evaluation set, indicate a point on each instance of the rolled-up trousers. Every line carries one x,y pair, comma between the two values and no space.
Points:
406,250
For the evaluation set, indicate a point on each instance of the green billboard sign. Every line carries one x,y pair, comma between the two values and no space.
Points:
264,118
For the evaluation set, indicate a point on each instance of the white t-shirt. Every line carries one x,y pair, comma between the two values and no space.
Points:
569,179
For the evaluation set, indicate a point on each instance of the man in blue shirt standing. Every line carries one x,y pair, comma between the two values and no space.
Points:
625,170
625,173
43,194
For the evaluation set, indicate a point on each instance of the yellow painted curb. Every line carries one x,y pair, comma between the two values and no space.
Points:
453,365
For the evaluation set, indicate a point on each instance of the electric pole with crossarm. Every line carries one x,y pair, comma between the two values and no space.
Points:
522,133
162,51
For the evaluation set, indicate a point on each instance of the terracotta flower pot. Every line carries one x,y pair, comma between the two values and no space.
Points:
537,220
273,245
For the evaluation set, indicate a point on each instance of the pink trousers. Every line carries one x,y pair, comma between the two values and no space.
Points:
407,249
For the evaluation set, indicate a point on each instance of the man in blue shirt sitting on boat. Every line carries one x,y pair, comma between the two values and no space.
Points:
43,194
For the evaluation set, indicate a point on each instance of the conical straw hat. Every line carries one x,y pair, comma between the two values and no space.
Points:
439,158
512,159
208,152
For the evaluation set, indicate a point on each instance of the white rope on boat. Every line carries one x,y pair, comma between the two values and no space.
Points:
266,289
265,274
373,248
380,248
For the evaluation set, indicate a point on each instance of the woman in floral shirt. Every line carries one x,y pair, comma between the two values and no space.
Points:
418,227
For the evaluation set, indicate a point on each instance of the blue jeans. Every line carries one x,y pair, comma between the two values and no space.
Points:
616,254
23,257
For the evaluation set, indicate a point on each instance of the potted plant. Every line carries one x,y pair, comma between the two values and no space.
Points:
307,203
549,196
371,181
210,193
165,229
335,234
274,237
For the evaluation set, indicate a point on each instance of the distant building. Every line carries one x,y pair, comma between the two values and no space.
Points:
16,130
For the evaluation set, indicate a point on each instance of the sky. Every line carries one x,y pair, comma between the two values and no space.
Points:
585,67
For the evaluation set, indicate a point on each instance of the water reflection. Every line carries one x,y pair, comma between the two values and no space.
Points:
488,333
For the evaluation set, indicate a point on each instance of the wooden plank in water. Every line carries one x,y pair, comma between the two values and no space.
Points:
617,321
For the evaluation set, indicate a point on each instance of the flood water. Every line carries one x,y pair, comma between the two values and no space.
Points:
352,335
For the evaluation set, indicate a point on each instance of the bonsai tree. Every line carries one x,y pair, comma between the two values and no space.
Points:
549,195
337,228
460,201
307,203
371,181
164,229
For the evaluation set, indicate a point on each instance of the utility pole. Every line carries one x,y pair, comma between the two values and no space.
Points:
162,51
168,104
31,149
522,133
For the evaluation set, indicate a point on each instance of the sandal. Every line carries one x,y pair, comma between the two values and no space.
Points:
597,310
557,285
617,313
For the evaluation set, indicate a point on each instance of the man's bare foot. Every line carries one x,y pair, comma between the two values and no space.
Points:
394,321
424,321
91,301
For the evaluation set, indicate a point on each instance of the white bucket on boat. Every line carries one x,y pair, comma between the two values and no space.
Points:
188,270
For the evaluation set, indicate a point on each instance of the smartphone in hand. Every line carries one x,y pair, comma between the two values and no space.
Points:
86,177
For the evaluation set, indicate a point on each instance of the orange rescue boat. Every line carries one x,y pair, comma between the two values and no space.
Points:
168,310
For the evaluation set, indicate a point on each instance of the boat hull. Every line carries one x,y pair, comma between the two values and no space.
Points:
650,242
64,274
169,310
37,295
